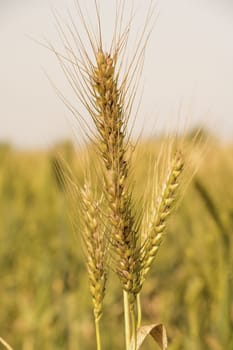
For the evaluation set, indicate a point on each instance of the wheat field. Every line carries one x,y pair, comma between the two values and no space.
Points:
45,299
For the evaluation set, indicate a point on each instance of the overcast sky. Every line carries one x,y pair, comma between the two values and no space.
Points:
189,62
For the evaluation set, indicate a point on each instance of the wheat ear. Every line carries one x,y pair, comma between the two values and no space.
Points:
96,247
159,214
110,124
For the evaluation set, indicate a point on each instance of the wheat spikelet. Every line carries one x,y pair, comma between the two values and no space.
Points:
95,243
159,215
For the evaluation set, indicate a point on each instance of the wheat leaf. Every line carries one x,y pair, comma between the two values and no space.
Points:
156,331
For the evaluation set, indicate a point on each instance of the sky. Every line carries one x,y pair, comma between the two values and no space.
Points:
188,72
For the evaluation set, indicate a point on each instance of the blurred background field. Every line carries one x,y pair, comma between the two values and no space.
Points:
44,296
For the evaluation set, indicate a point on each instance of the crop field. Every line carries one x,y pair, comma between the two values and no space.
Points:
45,301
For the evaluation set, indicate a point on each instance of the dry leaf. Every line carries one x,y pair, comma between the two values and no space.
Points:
156,331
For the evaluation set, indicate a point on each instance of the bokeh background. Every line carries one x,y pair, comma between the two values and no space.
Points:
187,80
188,63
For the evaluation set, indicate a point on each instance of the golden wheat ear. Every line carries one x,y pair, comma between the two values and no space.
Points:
159,213
96,248
95,245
